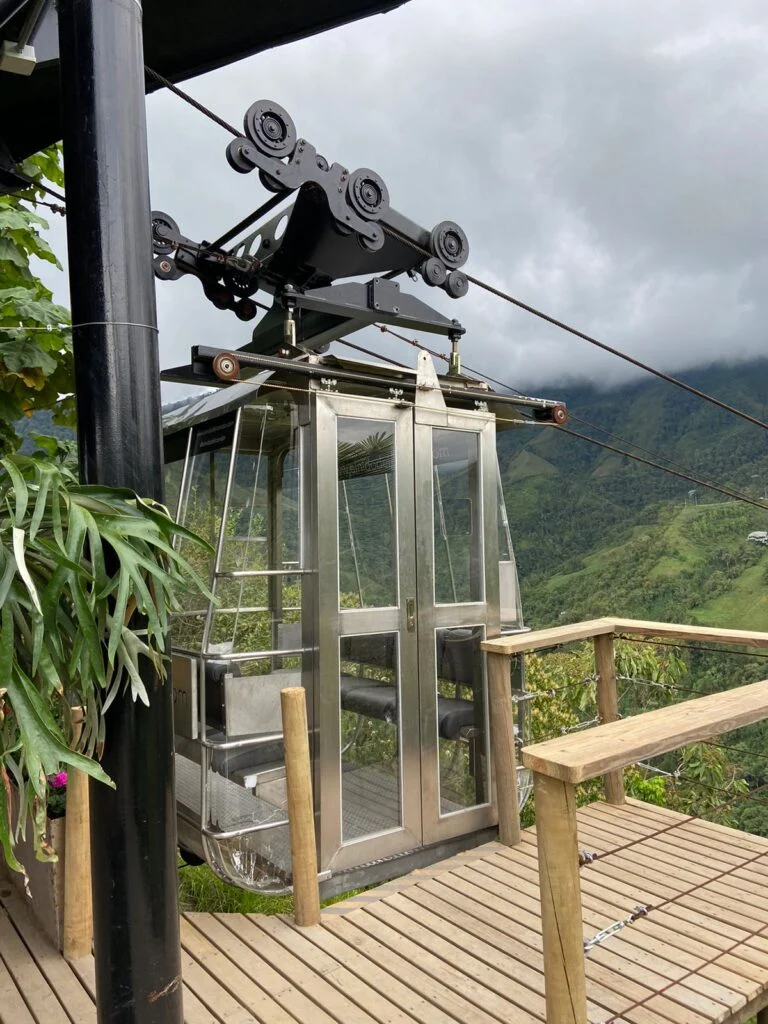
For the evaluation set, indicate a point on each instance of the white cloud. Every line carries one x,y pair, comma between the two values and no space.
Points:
607,162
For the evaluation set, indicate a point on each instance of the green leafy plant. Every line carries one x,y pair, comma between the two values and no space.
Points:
78,564
35,340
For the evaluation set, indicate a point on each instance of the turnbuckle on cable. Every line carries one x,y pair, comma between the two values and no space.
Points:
606,933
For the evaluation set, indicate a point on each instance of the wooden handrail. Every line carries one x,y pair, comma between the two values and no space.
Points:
607,748
539,639
559,764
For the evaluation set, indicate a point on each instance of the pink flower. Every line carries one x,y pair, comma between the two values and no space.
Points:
59,780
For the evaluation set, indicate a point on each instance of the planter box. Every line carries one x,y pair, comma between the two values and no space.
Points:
46,882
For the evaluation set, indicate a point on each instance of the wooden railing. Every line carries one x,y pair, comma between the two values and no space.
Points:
560,764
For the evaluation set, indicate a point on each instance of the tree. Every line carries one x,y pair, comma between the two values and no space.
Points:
35,350
700,779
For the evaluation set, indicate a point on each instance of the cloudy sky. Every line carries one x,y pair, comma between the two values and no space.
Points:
607,161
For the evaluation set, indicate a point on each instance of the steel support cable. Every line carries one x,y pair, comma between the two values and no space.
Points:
369,352
754,933
563,326
689,647
192,102
61,210
686,821
736,495
491,289
736,750
680,472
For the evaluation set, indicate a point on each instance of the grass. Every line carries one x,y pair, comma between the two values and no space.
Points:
202,891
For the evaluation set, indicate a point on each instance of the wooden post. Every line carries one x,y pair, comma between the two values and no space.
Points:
301,811
608,708
562,934
762,1017
503,747
77,938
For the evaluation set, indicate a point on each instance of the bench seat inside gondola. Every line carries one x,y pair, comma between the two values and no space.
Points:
459,664
379,700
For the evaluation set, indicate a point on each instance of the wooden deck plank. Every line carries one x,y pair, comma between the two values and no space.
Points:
472,965
205,999
460,941
37,994
681,831
58,974
506,935
673,947
281,987
655,855
375,971
294,942
422,974
240,986
13,1009
690,995
314,985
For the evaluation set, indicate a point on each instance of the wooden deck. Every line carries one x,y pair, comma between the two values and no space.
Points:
461,941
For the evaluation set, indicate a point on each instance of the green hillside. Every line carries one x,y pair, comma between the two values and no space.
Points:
597,533
693,564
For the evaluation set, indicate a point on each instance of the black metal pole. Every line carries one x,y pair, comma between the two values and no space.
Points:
133,829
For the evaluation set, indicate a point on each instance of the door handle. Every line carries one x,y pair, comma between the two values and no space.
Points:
410,615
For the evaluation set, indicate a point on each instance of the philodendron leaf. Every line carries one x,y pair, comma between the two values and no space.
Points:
18,550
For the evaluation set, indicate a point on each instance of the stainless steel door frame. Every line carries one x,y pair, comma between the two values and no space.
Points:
483,613
335,622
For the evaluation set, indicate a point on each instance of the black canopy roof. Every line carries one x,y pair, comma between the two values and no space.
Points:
182,38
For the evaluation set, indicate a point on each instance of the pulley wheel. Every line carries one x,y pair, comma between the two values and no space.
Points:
433,271
372,244
226,366
270,183
164,228
270,129
449,243
242,283
235,157
559,414
245,309
456,284
367,194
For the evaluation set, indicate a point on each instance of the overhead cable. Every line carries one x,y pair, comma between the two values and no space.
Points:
492,290
681,472
563,326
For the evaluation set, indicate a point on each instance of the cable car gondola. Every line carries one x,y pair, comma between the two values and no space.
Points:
360,538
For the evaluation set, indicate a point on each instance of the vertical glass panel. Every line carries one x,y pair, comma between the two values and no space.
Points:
457,514
262,520
367,524
173,474
201,510
370,735
256,613
462,728
509,588
174,456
